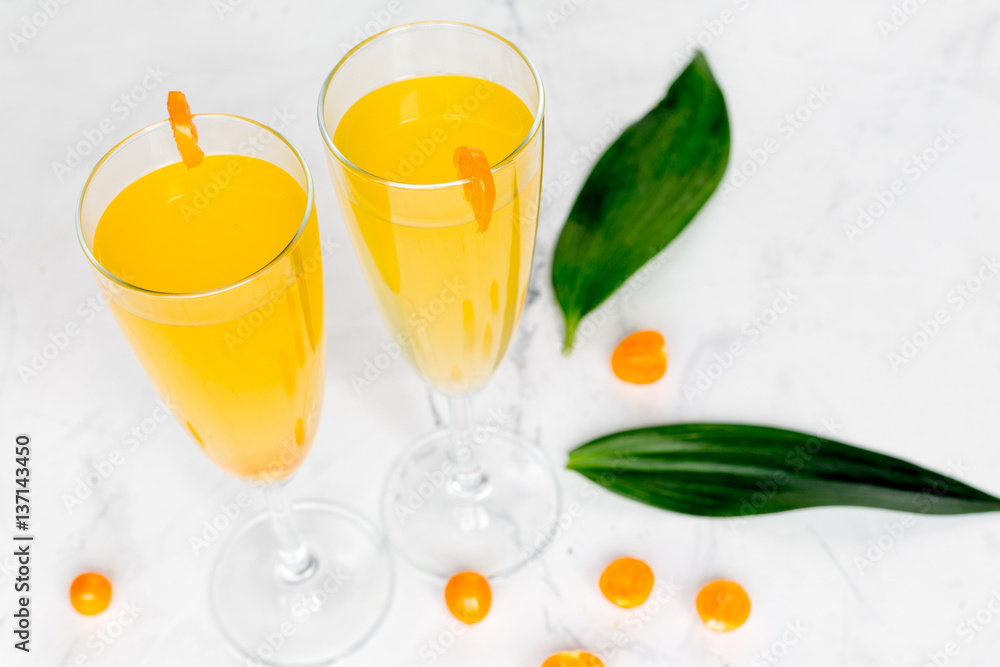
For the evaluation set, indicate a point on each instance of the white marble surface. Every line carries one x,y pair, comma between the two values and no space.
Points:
823,362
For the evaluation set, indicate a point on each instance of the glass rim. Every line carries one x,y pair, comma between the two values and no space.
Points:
539,111
140,134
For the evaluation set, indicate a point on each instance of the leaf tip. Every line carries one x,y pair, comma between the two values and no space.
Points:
699,62
572,321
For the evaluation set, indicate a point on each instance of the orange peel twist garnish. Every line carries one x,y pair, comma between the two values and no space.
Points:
480,191
185,133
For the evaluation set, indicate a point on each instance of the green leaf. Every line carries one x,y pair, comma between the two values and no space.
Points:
642,192
731,470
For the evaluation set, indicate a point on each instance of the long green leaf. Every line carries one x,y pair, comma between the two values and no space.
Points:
642,192
731,470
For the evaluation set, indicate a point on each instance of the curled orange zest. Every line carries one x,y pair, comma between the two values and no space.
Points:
480,191
185,133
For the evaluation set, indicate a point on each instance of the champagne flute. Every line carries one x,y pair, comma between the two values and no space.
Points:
450,282
214,275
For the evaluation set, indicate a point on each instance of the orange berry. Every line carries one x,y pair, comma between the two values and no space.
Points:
90,593
573,659
627,582
468,597
641,358
723,605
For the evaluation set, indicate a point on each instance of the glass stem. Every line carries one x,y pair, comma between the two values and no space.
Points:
468,480
295,563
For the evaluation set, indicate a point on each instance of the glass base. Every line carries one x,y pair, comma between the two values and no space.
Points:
507,521
313,622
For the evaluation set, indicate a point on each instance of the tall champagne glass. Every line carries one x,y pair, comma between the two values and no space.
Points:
214,275
450,283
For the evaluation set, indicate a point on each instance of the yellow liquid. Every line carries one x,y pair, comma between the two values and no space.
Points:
450,295
242,371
